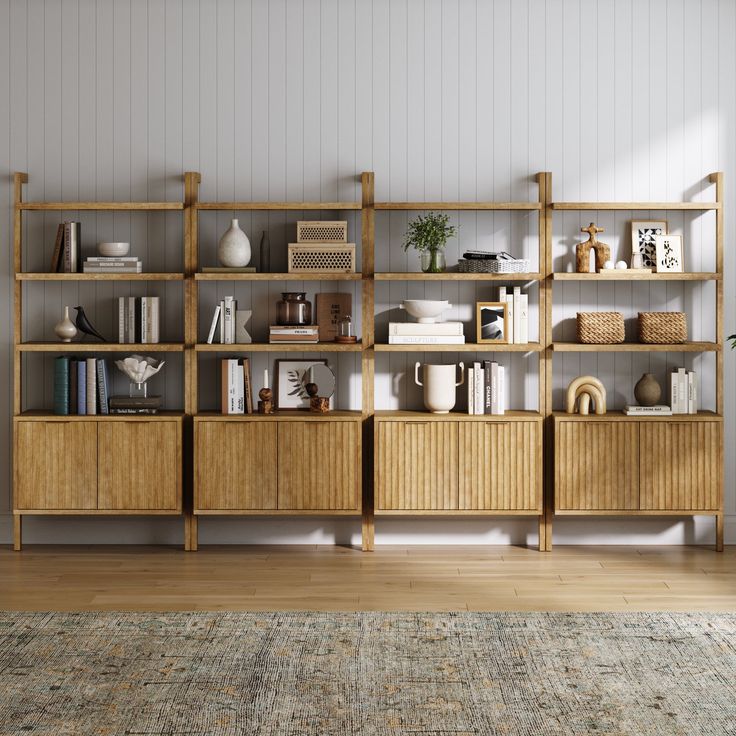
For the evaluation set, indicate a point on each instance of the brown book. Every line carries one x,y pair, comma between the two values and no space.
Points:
58,245
330,308
247,388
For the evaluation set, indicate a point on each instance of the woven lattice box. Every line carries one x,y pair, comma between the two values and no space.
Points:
322,231
600,328
321,257
662,328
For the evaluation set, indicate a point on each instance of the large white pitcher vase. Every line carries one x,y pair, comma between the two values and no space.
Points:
439,386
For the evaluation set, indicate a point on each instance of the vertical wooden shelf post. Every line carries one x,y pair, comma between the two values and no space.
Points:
717,179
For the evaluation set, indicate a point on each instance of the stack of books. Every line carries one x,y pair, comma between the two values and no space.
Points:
112,264
135,405
66,257
229,323
684,391
138,319
306,334
80,386
486,384
236,386
517,314
658,410
417,333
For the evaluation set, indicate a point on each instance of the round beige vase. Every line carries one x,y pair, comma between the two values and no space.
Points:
647,391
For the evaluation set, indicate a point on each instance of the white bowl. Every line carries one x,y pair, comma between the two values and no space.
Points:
110,250
425,310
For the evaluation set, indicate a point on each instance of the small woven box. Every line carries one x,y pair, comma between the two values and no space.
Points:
600,328
322,231
662,328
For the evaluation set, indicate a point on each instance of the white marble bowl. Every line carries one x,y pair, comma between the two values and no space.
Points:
113,250
425,310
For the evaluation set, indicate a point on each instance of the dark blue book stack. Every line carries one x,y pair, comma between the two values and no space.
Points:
61,385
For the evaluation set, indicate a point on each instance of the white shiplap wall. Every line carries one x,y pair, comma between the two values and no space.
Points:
290,99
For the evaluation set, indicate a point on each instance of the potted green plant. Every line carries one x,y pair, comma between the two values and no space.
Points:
429,234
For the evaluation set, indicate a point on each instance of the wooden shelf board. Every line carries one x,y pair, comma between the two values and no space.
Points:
99,276
261,347
45,416
456,276
521,206
277,512
285,414
628,275
637,512
99,347
98,512
78,206
278,206
315,276
701,206
636,347
619,416
454,416
468,347
458,512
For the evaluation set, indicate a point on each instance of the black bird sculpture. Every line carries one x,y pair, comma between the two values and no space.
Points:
84,325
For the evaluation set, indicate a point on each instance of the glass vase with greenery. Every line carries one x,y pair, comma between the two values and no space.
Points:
428,234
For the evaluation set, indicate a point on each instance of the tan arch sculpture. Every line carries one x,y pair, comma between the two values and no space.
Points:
581,391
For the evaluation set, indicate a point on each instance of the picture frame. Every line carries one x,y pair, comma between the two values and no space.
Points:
289,391
491,319
669,253
643,234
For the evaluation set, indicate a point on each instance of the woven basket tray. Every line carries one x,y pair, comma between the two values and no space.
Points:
517,265
600,328
662,328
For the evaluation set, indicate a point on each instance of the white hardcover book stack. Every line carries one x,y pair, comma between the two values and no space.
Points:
417,333
684,391
305,334
658,410
224,318
233,387
485,388
517,314
115,264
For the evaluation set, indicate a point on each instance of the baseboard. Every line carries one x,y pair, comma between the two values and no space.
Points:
389,531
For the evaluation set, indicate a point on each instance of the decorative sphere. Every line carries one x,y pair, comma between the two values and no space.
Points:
622,265
608,265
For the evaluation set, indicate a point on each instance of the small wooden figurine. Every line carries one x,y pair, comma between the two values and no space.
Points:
317,404
582,250
265,405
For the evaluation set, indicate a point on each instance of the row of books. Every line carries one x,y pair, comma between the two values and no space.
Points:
517,314
684,397
486,383
229,323
236,386
80,386
138,319
67,257
112,264
306,334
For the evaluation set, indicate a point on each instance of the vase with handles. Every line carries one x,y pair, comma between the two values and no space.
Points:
439,386
233,250
64,328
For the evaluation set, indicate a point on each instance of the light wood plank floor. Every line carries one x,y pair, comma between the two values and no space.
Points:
389,579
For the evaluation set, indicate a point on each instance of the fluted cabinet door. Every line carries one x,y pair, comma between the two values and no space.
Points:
55,465
596,465
680,466
416,466
500,466
319,465
235,465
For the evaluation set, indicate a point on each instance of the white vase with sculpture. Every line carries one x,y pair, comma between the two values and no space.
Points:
439,386
65,329
233,250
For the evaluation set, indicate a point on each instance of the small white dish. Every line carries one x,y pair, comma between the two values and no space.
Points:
425,311
111,250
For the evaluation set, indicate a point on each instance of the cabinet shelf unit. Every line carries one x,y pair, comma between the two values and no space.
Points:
96,465
614,464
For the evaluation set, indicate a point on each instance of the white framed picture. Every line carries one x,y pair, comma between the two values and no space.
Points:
643,234
669,253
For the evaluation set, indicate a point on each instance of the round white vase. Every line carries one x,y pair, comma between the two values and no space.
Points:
233,250
65,329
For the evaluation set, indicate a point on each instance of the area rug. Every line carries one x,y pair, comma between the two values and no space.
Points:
367,673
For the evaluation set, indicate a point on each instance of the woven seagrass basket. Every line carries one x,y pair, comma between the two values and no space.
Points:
600,328
662,328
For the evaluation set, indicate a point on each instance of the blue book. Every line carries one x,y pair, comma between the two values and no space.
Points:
82,387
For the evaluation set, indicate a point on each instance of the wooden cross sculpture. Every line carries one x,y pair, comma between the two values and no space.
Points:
582,250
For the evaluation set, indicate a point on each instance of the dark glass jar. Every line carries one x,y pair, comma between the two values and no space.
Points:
294,309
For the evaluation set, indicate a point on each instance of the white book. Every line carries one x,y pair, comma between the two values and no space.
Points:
509,326
131,319
125,268
656,410
523,318
426,340
213,325
682,390
91,386
501,391
479,374
416,328
494,387
155,334
228,320
222,322
502,293
692,383
122,324
144,319
674,393
517,313
232,385
111,259
470,385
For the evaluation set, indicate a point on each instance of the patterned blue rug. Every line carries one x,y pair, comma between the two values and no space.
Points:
326,674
